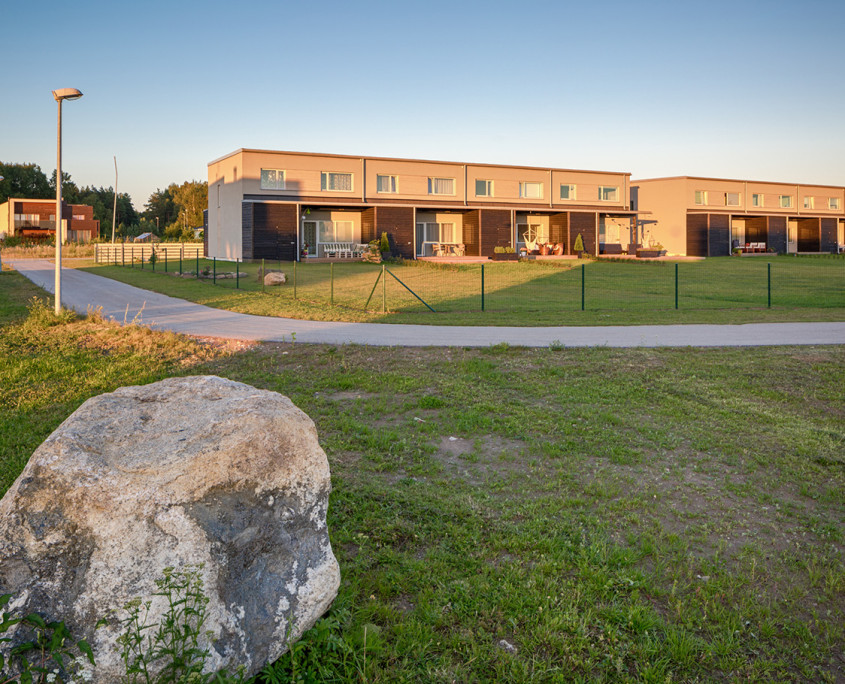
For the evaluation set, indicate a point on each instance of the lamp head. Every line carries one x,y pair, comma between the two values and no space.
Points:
66,94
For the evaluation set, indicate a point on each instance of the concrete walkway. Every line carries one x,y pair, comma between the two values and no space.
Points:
124,303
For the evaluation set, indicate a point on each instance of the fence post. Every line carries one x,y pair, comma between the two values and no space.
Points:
769,278
123,254
198,264
214,270
482,287
165,260
331,282
383,290
142,257
263,275
153,259
676,286
237,274
294,279
582,287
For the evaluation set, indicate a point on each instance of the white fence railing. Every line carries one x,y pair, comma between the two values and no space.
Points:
128,252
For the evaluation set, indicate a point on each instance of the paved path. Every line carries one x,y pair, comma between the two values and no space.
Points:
81,291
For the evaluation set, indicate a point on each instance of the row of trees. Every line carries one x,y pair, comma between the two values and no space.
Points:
171,214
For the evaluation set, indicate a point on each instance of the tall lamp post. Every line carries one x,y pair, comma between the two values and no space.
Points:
60,95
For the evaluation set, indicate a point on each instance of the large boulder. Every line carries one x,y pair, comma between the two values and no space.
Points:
180,473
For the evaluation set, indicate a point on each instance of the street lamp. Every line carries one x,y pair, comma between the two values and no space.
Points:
59,95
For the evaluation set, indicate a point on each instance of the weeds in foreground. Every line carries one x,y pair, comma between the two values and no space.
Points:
176,648
48,655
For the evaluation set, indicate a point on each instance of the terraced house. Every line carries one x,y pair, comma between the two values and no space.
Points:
293,205
715,216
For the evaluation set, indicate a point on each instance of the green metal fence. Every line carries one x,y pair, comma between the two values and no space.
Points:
721,283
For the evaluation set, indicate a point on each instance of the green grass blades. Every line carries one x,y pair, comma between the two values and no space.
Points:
513,514
722,290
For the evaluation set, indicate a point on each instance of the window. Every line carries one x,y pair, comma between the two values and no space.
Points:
701,197
335,231
732,199
786,201
608,193
317,233
809,202
385,183
756,200
435,232
441,186
483,188
337,182
532,232
78,217
833,203
567,192
272,179
24,220
530,190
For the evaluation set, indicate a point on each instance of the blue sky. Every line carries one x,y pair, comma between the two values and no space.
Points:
744,89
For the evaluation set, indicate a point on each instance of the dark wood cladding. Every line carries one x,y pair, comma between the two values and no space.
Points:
809,235
398,223
756,229
829,238
246,229
274,231
559,230
368,225
697,235
719,235
472,233
584,224
777,234
495,229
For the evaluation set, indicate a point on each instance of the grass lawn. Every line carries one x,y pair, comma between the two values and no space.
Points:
511,514
727,290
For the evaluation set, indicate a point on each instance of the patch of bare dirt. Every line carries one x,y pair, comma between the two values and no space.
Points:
478,460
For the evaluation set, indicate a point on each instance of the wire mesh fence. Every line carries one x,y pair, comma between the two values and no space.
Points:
530,287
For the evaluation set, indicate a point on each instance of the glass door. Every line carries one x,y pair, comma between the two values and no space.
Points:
792,236
309,239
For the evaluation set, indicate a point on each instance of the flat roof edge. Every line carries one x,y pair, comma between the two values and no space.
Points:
244,150
634,181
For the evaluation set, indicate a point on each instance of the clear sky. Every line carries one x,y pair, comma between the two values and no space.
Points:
742,89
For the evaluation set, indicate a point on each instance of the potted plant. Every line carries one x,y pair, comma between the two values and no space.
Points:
579,247
504,254
652,252
305,250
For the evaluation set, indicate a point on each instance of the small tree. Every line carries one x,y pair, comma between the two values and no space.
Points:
384,245
579,244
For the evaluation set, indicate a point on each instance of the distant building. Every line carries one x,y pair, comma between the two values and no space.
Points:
35,219
713,216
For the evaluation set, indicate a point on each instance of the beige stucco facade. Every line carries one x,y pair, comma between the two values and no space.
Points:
318,181
666,206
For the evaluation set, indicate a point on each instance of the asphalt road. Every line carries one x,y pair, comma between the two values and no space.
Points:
83,291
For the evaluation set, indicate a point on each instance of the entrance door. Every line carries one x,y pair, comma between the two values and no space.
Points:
792,236
309,238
